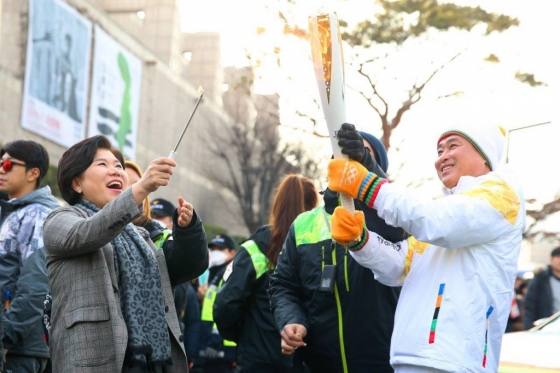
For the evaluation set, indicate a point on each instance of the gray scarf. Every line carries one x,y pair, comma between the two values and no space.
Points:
142,302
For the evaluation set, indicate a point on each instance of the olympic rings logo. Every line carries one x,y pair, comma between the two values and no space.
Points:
351,175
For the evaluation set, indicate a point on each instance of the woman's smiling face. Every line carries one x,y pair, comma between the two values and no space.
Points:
103,180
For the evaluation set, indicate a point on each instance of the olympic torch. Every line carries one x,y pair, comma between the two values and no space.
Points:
326,50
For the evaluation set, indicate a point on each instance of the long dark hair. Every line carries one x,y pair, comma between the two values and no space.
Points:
295,194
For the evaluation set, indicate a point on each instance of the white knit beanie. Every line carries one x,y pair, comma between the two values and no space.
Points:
488,140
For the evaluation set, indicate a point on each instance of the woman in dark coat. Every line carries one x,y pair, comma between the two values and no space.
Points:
242,310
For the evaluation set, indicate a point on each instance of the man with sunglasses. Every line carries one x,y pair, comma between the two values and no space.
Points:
23,272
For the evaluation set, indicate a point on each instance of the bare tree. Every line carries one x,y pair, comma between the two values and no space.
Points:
381,106
390,27
396,24
254,157
539,215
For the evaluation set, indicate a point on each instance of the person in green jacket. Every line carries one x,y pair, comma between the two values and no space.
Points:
330,311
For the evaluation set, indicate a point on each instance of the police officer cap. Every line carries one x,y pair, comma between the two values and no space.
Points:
222,241
162,207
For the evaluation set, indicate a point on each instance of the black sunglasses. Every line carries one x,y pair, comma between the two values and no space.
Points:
8,165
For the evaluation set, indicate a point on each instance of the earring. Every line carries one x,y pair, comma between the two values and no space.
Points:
79,191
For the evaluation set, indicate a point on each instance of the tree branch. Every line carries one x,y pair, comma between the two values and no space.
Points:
547,209
312,120
418,89
375,92
454,94
414,95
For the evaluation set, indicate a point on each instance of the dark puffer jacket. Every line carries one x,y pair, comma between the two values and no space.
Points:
24,284
24,334
348,330
242,311
538,301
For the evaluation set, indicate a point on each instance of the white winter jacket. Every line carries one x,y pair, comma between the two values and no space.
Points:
457,271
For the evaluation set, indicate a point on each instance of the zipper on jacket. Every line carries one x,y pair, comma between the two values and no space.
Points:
339,312
346,269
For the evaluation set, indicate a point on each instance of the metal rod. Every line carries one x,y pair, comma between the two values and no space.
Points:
520,128
529,126
186,125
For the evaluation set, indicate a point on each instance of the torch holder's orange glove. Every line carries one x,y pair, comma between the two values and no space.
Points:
351,178
347,228
346,176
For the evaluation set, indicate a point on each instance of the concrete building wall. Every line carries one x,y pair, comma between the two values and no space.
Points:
239,98
162,31
165,105
129,22
203,67
159,28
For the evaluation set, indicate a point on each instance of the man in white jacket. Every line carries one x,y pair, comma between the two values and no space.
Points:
458,268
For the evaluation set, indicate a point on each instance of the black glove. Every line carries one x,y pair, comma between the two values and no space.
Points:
351,142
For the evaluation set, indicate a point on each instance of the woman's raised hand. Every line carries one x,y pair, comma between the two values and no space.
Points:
185,211
157,174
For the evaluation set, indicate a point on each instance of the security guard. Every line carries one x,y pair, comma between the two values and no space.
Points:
341,317
215,354
242,310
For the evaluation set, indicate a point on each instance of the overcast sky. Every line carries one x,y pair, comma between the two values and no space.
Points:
490,92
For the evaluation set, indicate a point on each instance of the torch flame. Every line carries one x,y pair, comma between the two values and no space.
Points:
200,90
320,30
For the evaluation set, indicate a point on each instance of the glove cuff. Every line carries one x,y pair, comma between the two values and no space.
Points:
360,244
370,188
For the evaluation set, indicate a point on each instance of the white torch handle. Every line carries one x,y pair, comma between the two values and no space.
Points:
172,155
328,62
347,202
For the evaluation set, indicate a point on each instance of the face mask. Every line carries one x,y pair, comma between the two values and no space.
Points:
203,278
217,257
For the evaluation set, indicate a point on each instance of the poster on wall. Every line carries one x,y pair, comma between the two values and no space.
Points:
115,93
56,72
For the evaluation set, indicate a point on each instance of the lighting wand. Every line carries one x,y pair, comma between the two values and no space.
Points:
173,153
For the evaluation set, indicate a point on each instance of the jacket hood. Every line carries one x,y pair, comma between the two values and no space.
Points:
41,196
262,237
379,149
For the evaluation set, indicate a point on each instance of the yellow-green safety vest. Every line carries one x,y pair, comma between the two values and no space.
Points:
259,263
207,307
161,239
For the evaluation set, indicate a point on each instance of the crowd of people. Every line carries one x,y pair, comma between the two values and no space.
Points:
111,281
537,297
